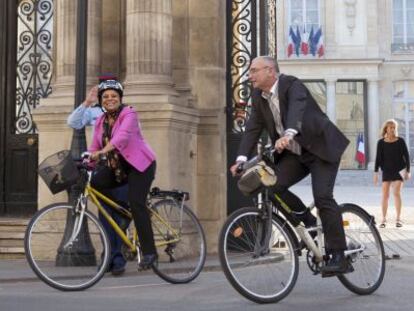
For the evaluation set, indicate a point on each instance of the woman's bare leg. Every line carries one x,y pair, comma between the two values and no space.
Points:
396,190
385,196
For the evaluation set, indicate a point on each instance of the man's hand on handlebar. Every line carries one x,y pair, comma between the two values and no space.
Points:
282,143
236,169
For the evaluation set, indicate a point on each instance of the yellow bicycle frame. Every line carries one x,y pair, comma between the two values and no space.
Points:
95,194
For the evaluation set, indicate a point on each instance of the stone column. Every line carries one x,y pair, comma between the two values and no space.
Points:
63,85
148,45
331,99
95,37
65,47
373,120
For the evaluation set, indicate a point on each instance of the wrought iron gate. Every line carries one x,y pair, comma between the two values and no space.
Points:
27,67
251,31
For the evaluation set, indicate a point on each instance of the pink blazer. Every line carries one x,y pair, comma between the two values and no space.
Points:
126,138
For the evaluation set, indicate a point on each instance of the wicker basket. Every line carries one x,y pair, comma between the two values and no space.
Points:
59,171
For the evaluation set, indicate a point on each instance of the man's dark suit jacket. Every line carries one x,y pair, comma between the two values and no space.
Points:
299,111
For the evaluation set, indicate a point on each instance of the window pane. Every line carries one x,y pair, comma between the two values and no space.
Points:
350,119
398,30
312,4
297,18
296,4
410,16
410,4
410,31
403,109
312,17
398,40
410,89
398,4
318,91
399,89
398,16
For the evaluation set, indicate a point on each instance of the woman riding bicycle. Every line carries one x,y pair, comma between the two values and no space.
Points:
117,135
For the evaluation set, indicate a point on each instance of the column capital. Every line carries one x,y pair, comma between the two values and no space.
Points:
373,80
330,80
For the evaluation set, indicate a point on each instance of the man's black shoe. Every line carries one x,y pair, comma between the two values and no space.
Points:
118,270
147,261
337,264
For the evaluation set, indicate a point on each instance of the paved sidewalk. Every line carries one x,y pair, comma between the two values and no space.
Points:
397,240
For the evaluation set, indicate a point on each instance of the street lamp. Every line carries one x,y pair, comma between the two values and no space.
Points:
82,252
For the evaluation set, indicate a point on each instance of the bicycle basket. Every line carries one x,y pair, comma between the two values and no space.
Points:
256,177
59,171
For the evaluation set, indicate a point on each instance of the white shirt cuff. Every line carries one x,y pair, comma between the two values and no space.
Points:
241,159
290,132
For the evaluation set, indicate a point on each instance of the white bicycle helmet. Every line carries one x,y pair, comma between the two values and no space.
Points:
110,85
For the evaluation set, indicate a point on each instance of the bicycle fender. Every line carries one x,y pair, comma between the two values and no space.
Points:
352,205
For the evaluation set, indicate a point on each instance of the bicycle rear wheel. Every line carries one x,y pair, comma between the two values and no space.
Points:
369,262
180,242
57,262
263,279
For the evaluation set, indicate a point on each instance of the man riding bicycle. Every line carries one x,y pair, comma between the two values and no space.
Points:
306,141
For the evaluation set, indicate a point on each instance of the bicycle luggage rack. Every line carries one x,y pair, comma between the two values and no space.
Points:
176,194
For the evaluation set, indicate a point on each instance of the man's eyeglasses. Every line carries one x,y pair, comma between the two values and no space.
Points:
256,70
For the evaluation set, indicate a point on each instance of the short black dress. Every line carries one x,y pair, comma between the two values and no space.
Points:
392,157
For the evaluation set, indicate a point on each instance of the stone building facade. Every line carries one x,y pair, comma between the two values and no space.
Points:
366,67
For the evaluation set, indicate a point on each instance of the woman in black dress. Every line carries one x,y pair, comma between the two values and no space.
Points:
394,161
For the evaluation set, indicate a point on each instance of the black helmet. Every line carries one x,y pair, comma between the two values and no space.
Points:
110,85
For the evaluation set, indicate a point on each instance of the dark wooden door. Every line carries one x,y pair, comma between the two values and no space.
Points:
18,155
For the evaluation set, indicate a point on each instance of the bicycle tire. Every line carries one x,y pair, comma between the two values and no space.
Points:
369,265
264,279
182,261
66,267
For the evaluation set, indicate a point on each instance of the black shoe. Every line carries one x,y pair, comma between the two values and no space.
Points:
337,264
147,261
118,270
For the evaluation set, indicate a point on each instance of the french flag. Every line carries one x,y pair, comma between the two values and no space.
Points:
360,152
304,46
316,43
294,42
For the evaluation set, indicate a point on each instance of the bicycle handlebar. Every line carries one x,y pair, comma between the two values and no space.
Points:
264,152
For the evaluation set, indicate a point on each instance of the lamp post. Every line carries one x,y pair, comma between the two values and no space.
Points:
82,252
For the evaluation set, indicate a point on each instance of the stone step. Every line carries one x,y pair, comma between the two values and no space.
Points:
12,250
13,225
12,232
11,242
11,235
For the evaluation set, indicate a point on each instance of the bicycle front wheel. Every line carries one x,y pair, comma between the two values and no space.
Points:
180,242
365,251
261,278
65,251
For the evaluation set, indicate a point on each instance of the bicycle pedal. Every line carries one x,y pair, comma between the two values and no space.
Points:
329,274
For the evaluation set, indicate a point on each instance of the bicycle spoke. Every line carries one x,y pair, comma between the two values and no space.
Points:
265,277
64,257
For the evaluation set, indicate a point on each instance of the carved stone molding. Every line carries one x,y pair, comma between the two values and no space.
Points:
350,14
406,70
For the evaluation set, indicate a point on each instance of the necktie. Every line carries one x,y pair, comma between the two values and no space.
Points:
274,107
